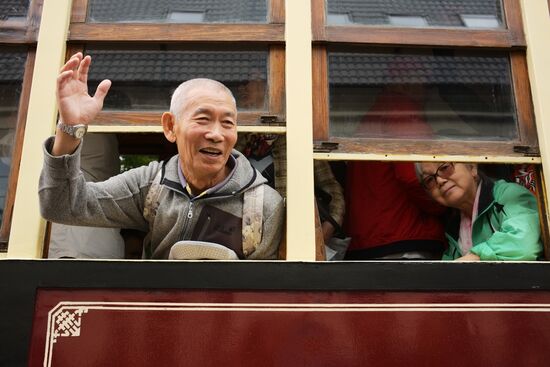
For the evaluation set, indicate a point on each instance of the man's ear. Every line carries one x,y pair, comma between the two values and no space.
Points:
168,124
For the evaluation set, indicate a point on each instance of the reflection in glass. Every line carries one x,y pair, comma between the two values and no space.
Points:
422,94
14,10
177,11
12,66
145,80
419,13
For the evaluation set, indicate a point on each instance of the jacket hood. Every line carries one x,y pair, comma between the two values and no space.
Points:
244,176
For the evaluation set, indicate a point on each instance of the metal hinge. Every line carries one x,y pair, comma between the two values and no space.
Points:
527,150
269,119
325,147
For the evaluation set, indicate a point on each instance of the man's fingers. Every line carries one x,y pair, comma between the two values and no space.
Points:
102,90
72,63
83,69
64,77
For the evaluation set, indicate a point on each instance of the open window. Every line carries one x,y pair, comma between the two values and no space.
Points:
147,49
402,82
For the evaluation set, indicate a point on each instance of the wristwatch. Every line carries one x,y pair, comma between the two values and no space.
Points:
76,131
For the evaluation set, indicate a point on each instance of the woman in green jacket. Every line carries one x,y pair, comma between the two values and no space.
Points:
492,221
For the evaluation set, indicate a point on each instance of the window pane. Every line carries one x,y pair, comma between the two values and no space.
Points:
434,94
178,11
145,79
12,66
419,13
14,10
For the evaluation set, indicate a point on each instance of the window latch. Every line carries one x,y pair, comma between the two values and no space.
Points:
268,119
325,147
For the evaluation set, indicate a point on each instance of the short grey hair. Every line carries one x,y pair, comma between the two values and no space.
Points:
180,94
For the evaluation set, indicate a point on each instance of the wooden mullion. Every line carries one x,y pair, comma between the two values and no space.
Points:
13,25
251,33
17,147
277,11
79,11
276,78
74,48
33,19
500,39
385,148
152,118
15,39
318,22
320,93
524,105
47,236
514,21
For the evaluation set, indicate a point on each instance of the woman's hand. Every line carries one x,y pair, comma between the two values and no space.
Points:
469,257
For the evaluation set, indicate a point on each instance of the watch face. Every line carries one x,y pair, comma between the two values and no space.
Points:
79,132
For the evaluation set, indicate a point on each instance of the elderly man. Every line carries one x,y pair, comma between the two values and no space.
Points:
200,194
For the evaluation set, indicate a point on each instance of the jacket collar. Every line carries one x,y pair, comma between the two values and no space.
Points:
245,176
452,226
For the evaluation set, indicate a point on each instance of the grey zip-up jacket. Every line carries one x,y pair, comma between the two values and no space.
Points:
66,197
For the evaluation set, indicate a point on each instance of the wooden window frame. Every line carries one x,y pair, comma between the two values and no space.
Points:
22,32
222,35
510,37
270,32
511,40
19,34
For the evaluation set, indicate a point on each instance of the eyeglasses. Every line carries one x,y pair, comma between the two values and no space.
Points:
443,171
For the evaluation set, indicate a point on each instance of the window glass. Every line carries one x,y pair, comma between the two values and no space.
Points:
14,10
419,13
177,11
145,79
428,93
12,67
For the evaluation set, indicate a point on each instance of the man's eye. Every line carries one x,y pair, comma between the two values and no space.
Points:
228,122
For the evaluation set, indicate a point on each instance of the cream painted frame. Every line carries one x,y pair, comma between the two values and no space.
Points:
299,106
536,24
28,227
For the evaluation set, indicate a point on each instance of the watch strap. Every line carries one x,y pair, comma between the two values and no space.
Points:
72,129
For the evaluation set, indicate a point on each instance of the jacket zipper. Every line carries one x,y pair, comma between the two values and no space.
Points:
187,220
190,210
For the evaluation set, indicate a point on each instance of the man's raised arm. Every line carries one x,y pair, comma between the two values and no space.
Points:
76,106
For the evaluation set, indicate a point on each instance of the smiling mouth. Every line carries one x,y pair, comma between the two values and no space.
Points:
211,152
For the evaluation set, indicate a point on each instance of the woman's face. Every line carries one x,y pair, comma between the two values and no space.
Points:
454,185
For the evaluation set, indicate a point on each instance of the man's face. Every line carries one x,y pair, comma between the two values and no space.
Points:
206,131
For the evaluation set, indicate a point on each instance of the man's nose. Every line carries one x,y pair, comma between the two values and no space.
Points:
214,132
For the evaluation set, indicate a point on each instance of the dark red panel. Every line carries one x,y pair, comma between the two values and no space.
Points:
224,328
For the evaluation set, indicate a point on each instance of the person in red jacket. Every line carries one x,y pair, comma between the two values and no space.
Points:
389,215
